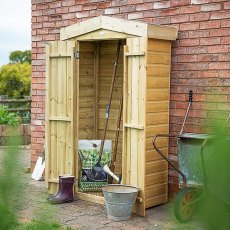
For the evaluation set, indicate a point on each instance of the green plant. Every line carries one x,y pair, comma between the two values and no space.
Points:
12,187
15,79
37,225
214,208
25,118
8,118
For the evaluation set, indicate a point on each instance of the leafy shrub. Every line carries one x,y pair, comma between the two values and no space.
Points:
8,118
15,80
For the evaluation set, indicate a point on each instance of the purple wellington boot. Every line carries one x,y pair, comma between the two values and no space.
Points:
59,189
66,191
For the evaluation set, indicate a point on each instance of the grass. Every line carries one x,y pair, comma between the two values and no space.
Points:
37,225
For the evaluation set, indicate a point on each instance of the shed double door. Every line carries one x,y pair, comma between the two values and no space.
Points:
62,114
61,95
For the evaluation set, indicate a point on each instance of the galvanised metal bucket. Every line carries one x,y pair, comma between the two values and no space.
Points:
119,200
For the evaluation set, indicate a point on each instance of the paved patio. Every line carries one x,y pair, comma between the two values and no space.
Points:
85,215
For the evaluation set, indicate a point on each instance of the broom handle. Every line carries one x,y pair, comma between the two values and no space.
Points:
110,99
112,167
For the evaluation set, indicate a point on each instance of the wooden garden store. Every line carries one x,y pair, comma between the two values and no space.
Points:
79,69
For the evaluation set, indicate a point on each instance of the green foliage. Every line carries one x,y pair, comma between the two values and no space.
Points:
10,185
214,209
15,79
25,117
12,197
37,225
18,56
7,118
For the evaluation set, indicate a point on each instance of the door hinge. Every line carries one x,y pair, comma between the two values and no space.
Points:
76,54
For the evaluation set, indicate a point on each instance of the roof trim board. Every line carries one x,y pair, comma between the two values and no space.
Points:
138,29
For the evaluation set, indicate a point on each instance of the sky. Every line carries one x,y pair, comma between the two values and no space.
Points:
15,27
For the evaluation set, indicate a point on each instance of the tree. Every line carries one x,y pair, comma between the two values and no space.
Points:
15,79
18,56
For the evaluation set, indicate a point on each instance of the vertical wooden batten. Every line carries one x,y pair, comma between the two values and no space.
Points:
96,83
134,118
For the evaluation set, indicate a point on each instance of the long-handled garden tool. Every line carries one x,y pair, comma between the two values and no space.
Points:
97,167
114,156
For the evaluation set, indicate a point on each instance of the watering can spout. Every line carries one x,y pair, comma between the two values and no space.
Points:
108,171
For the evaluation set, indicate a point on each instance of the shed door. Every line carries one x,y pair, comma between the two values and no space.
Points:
60,112
134,118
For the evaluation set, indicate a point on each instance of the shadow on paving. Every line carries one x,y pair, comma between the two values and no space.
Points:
85,215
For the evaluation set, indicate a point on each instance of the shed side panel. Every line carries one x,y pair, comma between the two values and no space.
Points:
157,120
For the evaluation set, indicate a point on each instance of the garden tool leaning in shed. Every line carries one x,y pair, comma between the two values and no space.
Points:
97,167
66,190
114,156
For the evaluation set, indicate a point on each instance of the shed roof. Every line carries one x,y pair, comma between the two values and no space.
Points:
139,29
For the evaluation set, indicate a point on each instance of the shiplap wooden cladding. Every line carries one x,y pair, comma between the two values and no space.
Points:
77,94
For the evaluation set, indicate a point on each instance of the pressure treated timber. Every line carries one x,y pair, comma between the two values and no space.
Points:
143,72
134,118
158,128
103,34
87,84
156,166
156,200
161,142
162,70
134,126
156,178
153,118
157,94
158,82
96,85
157,120
90,197
59,123
152,155
156,189
125,27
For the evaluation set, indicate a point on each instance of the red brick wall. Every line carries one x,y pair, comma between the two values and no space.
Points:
200,56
